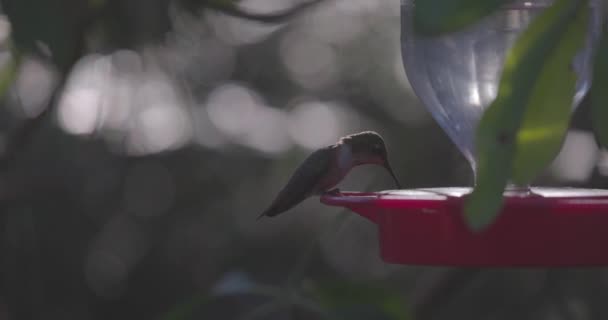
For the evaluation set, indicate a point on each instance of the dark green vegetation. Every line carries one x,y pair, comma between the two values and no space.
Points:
141,139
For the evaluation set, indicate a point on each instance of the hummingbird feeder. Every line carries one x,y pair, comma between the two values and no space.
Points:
456,76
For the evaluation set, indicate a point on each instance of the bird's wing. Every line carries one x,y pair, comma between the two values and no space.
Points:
303,181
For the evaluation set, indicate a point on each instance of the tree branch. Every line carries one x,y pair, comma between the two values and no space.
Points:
270,18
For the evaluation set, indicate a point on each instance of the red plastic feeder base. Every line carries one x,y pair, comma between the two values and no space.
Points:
549,228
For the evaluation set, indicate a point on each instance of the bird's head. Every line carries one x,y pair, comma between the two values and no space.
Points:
368,147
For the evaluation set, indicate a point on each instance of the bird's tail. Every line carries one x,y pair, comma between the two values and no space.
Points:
260,216
270,212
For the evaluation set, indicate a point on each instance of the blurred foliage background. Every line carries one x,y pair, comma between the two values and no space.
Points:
140,139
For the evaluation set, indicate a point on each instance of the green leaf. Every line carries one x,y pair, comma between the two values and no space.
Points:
497,134
549,107
186,310
8,73
599,94
432,17
347,300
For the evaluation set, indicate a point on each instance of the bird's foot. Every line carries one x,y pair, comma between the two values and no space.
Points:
333,192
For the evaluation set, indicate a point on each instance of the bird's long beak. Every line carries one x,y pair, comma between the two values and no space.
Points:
390,170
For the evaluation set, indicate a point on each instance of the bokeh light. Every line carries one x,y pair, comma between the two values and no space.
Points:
80,110
314,124
577,158
161,121
240,114
33,86
178,126
231,107
310,62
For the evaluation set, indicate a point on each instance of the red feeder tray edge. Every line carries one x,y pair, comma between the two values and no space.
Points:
549,228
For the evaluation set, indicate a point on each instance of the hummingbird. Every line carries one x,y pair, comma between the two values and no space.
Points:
326,167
